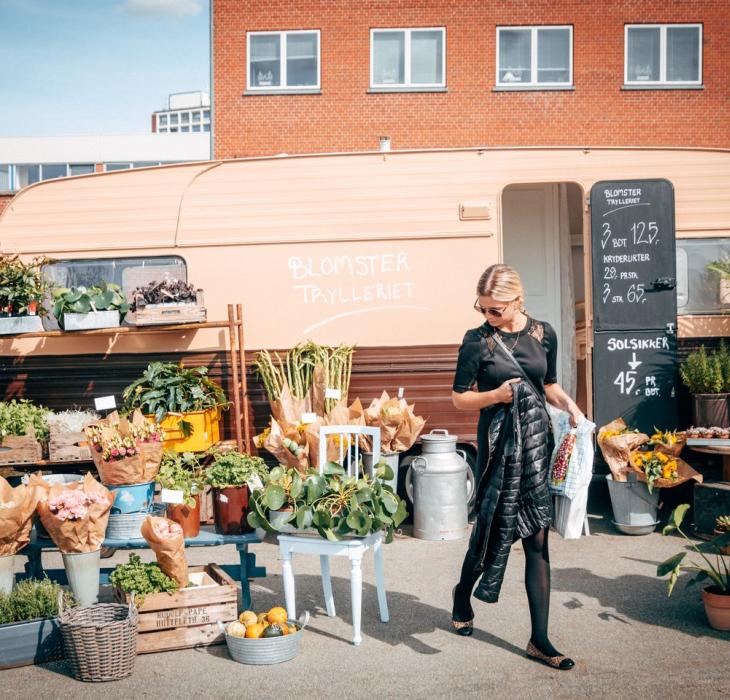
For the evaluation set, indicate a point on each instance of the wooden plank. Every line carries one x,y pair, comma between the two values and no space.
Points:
63,446
21,449
187,617
179,638
167,314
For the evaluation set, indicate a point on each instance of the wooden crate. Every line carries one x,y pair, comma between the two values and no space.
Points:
24,449
189,617
63,446
160,314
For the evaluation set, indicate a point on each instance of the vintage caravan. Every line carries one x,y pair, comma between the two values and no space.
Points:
383,250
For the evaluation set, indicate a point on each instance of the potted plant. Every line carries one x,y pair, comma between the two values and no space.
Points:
336,505
722,268
722,526
707,376
168,301
23,429
277,501
29,632
22,289
181,473
83,308
232,476
716,596
183,400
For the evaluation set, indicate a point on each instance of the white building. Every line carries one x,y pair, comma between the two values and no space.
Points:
187,112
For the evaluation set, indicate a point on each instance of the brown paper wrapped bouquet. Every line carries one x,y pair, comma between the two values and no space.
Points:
16,517
399,426
76,515
166,539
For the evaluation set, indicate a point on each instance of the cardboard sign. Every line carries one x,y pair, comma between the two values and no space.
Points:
105,403
172,496
309,418
330,393
255,483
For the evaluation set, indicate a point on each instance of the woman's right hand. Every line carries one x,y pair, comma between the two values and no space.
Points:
503,393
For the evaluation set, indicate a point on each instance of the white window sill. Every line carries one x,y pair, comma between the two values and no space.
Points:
532,88
283,91
408,88
679,86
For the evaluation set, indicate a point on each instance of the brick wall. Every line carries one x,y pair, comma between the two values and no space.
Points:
4,201
345,117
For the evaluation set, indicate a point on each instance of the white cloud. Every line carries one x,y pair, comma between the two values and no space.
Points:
161,9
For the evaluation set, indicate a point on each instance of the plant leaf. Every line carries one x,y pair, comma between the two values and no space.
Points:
274,496
678,514
670,564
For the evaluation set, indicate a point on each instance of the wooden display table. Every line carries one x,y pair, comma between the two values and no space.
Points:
207,538
713,446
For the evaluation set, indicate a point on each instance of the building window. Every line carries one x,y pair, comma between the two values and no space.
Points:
408,58
282,61
24,175
663,54
4,178
51,171
80,168
534,56
109,167
161,120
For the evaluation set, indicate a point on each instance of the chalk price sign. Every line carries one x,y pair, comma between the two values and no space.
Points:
633,249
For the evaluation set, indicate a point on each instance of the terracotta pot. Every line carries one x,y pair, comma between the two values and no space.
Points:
188,518
710,409
717,608
230,508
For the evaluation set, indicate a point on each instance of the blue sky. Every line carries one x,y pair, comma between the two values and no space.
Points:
97,66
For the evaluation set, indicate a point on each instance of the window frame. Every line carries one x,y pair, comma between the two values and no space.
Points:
407,84
662,82
283,87
533,84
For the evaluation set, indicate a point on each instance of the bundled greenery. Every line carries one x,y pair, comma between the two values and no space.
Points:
181,472
167,387
296,369
83,300
707,372
718,573
141,579
233,469
335,504
22,286
17,415
32,600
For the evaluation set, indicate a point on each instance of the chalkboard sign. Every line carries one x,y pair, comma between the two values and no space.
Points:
634,378
633,253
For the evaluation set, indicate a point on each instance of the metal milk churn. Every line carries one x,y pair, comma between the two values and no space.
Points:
439,483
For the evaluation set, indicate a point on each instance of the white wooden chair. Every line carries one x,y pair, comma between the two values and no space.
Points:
353,548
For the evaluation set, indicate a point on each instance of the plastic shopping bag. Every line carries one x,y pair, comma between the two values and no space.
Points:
571,464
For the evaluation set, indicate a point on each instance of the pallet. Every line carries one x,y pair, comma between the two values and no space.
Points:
63,446
24,449
189,617
161,314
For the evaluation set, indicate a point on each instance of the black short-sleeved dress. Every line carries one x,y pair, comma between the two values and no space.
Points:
535,347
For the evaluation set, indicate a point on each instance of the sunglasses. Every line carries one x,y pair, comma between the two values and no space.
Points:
497,313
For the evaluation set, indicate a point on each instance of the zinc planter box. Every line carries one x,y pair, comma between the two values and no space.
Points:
31,642
91,321
12,325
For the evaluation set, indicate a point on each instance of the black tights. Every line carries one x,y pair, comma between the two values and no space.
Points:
537,584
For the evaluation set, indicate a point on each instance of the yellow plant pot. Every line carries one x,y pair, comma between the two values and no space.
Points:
206,430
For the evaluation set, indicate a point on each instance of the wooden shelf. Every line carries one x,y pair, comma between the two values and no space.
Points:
127,330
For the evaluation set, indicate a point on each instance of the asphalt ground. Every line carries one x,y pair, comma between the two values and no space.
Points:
609,612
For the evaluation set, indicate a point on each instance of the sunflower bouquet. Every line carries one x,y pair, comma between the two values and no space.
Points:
655,466
670,442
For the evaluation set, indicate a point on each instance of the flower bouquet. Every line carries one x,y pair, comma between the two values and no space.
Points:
166,539
399,426
16,517
617,441
126,452
669,442
660,470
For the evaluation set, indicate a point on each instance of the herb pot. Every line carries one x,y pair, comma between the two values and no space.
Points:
30,642
717,608
230,508
82,570
710,409
7,577
188,518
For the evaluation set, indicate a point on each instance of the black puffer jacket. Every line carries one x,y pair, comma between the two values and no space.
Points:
512,495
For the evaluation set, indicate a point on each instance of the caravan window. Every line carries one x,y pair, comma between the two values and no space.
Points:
701,290
128,273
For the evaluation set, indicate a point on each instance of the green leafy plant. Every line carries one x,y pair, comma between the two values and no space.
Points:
141,579
706,372
167,387
721,267
722,523
22,286
32,600
718,573
234,469
84,300
335,504
17,416
181,472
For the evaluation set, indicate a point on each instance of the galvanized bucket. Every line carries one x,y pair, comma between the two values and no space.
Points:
273,650
126,526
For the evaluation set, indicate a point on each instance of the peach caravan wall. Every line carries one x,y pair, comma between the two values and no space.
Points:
346,117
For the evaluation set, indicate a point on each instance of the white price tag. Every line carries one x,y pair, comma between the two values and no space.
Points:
223,498
330,393
255,483
309,418
401,391
105,403
172,496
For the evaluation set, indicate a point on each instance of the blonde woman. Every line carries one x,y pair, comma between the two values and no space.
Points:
507,370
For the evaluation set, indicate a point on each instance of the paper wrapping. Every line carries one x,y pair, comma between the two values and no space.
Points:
617,449
399,426
170,552
16,520
77,536
684,473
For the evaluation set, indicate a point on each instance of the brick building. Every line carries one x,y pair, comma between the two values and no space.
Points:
322,75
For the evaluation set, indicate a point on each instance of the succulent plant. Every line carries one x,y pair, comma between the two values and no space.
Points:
722,523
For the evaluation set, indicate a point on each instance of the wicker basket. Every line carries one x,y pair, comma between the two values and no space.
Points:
100,641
